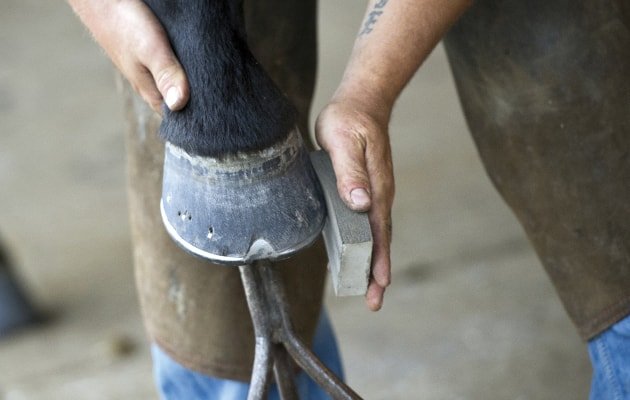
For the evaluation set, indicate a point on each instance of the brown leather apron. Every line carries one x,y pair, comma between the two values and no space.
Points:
545,87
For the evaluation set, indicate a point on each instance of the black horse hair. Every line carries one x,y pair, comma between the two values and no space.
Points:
234,105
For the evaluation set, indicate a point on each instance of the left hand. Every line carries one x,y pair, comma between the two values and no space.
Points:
137,44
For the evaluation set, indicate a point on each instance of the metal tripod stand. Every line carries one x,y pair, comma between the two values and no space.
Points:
247,210
277,345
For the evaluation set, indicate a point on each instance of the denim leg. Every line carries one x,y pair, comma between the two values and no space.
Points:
325,347
176,382
610,356
15,310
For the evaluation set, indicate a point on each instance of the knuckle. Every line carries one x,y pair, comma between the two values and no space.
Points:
145,46
165,75
350,181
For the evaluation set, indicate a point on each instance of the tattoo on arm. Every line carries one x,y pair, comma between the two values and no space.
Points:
372,17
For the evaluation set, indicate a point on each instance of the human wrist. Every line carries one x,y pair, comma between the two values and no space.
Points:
366,99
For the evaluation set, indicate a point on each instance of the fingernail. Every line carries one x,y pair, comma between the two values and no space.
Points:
360,197
375,304
172,97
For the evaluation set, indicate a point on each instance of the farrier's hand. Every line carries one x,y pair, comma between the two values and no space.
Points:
394,38
355,135
137,44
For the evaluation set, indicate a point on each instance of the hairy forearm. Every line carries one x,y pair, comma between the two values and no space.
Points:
395,38
115,23
94,14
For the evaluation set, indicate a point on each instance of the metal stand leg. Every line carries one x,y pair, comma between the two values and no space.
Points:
283,369
276,342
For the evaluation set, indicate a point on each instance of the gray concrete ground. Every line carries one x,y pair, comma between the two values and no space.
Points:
470,314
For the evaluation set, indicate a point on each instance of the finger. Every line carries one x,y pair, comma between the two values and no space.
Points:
381,253
348,159
143,83
170,78
151,49
380,222
374,296
380,168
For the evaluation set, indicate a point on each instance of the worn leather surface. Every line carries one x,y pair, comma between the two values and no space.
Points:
282,34
546,92
194,310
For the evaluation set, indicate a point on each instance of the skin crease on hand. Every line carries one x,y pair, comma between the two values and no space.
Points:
138,46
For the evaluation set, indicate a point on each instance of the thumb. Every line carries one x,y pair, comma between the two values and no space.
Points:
353,183
339,133
170,80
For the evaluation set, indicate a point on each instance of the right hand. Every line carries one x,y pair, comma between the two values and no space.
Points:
137,44
355,134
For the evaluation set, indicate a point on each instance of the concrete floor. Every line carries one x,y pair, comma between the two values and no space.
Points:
470,315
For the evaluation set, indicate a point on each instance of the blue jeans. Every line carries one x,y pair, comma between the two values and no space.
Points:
15,310
609,351
176,382
610,356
